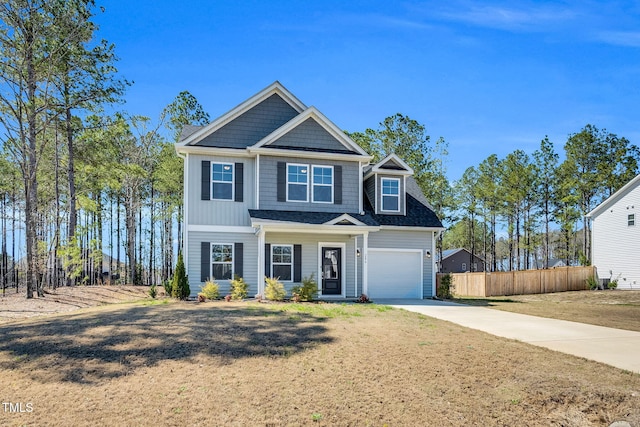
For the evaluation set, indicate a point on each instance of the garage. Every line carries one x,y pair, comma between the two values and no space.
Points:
395,273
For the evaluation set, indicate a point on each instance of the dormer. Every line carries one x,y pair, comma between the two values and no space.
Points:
385,185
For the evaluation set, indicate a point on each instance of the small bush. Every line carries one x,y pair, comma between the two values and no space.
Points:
210,290
307,290
445,289
274,290
613,284
180,283
167,287
364,299
239,288
153,292
592,282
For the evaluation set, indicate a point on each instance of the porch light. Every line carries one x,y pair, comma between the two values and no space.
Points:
358,252
427,254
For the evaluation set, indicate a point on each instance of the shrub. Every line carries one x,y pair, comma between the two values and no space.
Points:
274,290
210,290
167,287
239,288
445,289
613,284
153,291
364,299
307,290
592,282
180,284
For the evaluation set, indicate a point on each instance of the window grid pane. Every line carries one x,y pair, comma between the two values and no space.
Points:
221,261
282,261
222,181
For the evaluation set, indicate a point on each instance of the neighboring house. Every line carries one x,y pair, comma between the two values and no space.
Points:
553,263
460,261
274,188
615,236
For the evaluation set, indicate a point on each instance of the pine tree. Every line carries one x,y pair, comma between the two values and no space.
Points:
180,286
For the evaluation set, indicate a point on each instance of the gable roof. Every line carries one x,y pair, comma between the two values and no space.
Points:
391,165
615,197
311,113
276,88
450,252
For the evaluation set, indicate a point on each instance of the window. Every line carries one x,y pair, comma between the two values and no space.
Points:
631,220
282,261
391,194
322,184
222,181
221,261
297,182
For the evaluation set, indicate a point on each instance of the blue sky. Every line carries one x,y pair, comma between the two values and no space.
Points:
489,77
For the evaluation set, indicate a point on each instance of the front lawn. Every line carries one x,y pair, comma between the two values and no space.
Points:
242,364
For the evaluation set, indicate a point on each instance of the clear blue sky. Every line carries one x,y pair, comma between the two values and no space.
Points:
489,77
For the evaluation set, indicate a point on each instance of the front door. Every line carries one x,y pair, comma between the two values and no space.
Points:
331,271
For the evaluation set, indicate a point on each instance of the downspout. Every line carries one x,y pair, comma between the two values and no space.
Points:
261,260
185,209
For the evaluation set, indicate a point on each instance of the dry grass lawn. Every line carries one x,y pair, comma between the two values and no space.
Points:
241,364
613,308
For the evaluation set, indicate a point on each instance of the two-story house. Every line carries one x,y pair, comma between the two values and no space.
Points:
273,188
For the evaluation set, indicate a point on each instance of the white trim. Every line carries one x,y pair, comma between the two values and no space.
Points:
214,151
233,181
261,261
420,252
319,118
360,188
355,265
343,268
397,160
342,217
257,178
221,228
410,228
274,88
433,264
293,261
365,264
306,200
313,184
185,210
375,194
403,191
298,227
382,209
233,256
282,152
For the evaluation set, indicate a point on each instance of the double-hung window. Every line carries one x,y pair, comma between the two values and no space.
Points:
631,220
297,182
222,181
282,261
390,194
222,261
322,184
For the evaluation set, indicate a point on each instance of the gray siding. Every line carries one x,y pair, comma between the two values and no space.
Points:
309,134
310,255
250,253
219,212
410,239
453,263
403,198
370,190
253,125
269,181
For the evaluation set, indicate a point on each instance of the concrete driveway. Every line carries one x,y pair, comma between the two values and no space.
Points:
615,347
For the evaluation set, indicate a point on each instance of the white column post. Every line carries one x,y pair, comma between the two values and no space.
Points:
365,263
261,261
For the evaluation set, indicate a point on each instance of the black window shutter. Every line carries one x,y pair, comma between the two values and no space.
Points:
267,260
238,259
282,182
297,263
337,185
239,182
206,180
205,257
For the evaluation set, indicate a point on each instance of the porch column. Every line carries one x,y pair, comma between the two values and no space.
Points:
261,256
365,263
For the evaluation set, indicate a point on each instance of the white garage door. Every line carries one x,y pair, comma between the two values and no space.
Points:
395,273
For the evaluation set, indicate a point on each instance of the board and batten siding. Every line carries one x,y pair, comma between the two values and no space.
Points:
219,212
250,258
616,245
410,239
253,125
311,256
269,185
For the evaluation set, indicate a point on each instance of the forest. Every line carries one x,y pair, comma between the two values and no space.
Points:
90,193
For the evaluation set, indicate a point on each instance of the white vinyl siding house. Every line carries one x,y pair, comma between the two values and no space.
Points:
274,189
616,237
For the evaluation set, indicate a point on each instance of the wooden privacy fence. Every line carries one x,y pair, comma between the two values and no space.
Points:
520,282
